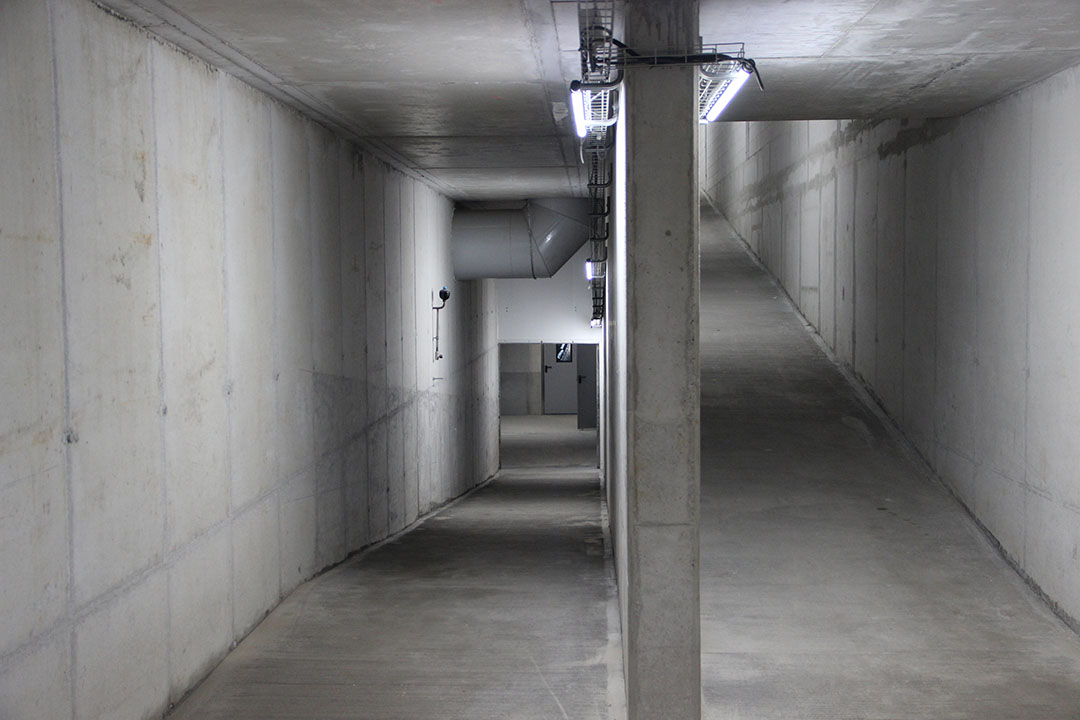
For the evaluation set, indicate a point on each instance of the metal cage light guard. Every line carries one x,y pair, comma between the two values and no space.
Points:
724,69
595,101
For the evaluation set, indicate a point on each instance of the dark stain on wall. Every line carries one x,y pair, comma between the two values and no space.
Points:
924,134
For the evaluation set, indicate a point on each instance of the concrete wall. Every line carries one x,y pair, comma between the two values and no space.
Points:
939,260
551,310
216,368
521,379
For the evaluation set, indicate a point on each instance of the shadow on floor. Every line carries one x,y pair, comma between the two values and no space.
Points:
546,441
498,606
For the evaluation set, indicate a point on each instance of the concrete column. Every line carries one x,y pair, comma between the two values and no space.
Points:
662,631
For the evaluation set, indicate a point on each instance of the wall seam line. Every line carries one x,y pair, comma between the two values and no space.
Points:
820,242
230,513
163,421
877,380
310,147
361,277
933,444
976,186
68,432
854,264
387,176
836,250
903,290
340,156
1027,333
274,332
409,286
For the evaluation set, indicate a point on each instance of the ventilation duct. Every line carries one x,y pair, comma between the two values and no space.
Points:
530,242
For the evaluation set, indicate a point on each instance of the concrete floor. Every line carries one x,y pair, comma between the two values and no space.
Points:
499,606
838,580
550,441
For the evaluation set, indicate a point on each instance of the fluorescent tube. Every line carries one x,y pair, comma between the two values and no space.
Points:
577,102
732,89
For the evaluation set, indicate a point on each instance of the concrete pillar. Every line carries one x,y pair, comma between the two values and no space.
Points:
662,631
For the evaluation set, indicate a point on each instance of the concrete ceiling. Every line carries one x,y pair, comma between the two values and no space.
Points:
472,93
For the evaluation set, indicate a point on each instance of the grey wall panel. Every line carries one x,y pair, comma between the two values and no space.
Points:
109,216
33,476
193,318
249,290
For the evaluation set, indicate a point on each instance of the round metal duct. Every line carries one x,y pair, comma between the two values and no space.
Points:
532,242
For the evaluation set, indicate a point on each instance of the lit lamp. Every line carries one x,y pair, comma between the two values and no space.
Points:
591,105
719,89
595,269
577,103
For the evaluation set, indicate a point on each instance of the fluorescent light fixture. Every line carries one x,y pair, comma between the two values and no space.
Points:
595,269
734,84
577,102
596,322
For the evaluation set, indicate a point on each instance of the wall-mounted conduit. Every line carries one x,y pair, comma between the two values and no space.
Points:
724,68
600,79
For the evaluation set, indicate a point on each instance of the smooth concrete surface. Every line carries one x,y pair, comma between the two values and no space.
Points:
521,378
548,310
474,94
211,388
33,482
501,605
652,322
840,580
551,441
938,259
470,96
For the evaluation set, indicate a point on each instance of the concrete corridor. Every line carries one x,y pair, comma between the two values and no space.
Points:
838,579
498,606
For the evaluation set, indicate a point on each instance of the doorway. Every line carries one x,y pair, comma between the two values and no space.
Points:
569,379
550,379
560,379
548,389
588,400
